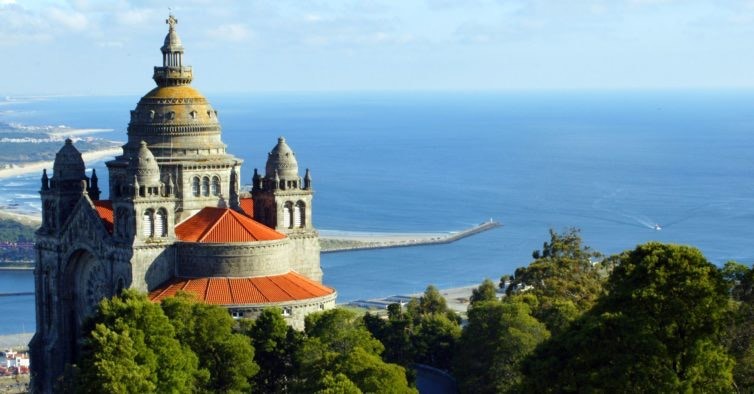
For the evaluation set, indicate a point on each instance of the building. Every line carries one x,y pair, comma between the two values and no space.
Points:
175,220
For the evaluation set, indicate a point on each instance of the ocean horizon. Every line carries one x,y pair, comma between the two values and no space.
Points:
617,165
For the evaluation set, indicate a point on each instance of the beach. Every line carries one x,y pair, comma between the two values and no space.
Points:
29,168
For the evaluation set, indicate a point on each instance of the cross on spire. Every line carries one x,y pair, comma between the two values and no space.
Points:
171,21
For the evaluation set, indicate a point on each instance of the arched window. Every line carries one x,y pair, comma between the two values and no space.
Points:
147,224
195,186
161,223
215,188
299,214
205,186
288,215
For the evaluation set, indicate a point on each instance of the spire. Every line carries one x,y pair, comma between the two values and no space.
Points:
172,72
307,180
255,180
136,186
94,191
45,180
171,185
234,197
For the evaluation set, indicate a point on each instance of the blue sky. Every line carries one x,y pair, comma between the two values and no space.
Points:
110,47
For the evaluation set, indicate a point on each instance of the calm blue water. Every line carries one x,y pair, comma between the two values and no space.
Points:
612,164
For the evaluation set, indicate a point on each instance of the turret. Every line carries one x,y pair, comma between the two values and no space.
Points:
282,200
146,172
63,191
172,72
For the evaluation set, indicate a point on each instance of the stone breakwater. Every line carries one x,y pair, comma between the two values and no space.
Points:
344,242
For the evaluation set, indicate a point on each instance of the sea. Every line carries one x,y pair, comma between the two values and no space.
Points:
618,165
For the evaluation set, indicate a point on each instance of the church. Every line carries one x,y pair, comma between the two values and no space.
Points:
175,220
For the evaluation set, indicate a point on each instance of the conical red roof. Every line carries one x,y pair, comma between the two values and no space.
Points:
221,225
236,291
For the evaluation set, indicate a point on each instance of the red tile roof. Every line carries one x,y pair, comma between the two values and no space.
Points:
247,206
235,291
218,225
105,211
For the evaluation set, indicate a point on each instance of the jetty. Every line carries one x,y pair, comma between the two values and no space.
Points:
332,242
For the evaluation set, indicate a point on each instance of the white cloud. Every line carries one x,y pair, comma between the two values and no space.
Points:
72,20
234,32
136,17
7,2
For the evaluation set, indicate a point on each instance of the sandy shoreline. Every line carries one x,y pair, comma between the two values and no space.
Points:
29,168
27,219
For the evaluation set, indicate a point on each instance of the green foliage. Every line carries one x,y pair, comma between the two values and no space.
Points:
498,336
226,357
426,333
130,330
275,344
434,341
487,291
563,278
739,331
430,303
337,343
14,231
654,330
114,367
338,384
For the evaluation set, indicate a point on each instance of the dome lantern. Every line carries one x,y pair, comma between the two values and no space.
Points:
172,72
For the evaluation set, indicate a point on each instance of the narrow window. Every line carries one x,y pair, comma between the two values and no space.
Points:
148,223
299,214
215,185
161,223
288,215
195,186
205,186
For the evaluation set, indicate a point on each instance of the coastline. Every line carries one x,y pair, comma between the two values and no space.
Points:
353,241
38,166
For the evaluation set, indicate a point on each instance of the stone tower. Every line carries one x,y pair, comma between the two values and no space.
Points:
174,221
283,201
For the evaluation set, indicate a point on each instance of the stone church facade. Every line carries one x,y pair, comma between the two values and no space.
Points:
175,220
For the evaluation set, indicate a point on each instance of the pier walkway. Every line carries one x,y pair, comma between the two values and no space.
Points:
350,241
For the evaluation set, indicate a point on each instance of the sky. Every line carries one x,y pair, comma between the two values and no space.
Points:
85,47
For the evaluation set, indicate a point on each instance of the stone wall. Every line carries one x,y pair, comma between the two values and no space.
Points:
152,265
305,254
294,312
261,258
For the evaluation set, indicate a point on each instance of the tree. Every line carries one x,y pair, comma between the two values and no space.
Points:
275,344
395,334
485,292
338,343
113,367
564,279
498,336
133,339
435,340
655,330
739,333
430,303
227,357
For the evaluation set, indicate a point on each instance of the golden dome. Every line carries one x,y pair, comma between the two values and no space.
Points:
169,92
